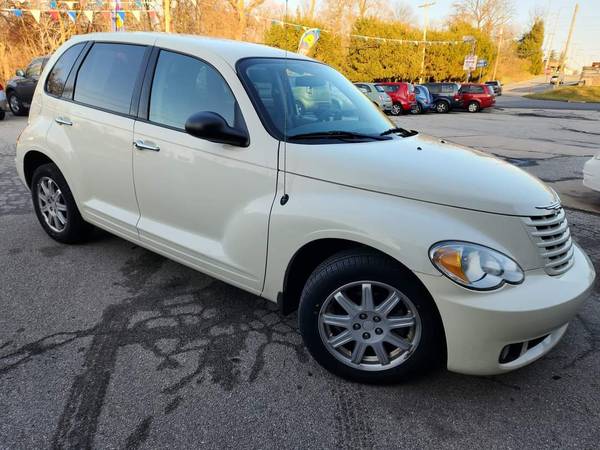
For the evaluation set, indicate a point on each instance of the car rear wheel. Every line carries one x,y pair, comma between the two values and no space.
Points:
473,107
15,105
2,115
363,318
442,107
417,109
55,206
396,109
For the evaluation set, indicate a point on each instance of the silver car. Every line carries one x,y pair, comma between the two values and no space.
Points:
377,95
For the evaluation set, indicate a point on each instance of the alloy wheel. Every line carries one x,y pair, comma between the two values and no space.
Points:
369,325
52,204
15,106
396,109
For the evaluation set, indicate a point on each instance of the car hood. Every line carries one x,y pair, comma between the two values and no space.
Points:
427,169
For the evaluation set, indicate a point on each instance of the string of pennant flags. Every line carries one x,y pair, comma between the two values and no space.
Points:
117,11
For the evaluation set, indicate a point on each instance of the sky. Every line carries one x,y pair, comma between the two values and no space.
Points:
585,44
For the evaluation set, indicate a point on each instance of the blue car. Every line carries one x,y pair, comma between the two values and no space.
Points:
424,100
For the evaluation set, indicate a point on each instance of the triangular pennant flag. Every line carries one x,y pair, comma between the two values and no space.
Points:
70,4
138,3
136,14
54,15
89,15
72,15
17,12
36,14
98,2
53,4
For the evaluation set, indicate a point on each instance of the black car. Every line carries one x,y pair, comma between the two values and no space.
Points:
496,85
445,96
20,89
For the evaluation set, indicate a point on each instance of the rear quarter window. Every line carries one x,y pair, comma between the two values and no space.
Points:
55,83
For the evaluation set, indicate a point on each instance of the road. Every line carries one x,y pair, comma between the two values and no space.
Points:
107,345
513,96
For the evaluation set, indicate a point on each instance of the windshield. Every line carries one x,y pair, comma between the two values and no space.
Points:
297,97
390,87
379,88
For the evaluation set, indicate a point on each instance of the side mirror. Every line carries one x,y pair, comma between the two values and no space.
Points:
20,73
213,127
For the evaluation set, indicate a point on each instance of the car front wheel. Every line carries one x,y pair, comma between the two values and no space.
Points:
2,115
55,206
363,318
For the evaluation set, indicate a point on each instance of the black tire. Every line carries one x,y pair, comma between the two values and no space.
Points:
360,265
418,109
473,107
442,107
2,115
396,110
76,229
16,105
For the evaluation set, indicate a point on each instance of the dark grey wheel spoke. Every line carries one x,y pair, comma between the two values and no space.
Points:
373,336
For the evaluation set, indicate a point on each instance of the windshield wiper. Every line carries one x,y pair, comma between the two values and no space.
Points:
402,131
337,134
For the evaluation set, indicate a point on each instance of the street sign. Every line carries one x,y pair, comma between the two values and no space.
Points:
482,63
470,63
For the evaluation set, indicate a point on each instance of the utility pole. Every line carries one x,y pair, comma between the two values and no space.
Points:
498,53
425,7
167,13
563,56
550,43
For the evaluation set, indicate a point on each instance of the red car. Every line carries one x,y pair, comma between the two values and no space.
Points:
403,96
475,97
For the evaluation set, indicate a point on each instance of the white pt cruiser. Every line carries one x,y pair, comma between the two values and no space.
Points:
272,172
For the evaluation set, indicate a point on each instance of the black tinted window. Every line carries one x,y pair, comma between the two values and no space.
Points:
55,83
183,86
107,76
434,88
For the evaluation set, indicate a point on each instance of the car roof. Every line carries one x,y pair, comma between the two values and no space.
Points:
228,50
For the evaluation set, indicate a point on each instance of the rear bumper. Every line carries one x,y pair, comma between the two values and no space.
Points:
591,174
3,101
479,325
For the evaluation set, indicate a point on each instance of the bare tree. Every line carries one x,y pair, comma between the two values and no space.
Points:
403,12
308,8
484,14
243,8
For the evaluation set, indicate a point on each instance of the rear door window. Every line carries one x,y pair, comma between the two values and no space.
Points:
108,75
55,83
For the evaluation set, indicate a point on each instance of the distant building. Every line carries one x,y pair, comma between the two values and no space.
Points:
590,75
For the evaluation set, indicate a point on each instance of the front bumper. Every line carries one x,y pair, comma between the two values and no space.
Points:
479,325
387,106
3,101
591,174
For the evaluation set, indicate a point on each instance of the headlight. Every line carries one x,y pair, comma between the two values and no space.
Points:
475,266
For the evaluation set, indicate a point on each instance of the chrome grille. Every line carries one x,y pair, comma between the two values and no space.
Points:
552,236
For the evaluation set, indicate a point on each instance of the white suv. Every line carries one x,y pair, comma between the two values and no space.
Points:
399,251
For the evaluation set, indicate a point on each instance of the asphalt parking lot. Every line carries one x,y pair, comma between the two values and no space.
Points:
107,345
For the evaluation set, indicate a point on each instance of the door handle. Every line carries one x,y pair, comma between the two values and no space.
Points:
141,145
63,121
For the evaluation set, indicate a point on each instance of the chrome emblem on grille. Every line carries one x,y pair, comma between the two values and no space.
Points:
552,206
